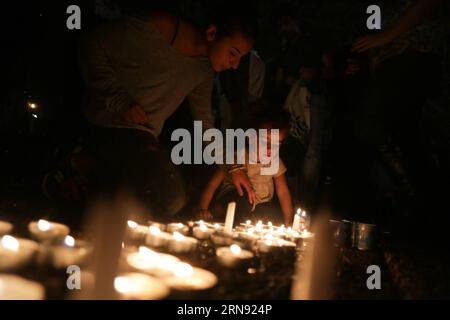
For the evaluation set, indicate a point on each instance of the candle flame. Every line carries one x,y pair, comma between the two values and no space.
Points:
69,241
43,225
178,236
10,243
154,230
132,224
304,214
248,222
299,211
216,225
182,270
235,249
270,224
122,284
201,222
203,227
259,223
180,225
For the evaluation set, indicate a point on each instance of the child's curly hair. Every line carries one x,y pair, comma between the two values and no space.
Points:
263,115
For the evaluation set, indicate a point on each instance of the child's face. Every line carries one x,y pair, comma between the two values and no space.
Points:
268,141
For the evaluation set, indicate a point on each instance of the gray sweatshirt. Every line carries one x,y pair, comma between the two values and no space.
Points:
128,63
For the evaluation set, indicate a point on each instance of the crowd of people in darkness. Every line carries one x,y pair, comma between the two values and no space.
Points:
348,114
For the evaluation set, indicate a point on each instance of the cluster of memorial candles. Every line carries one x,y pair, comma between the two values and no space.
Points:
151,260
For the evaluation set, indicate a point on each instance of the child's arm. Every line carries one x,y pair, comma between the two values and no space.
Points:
208,193
284,196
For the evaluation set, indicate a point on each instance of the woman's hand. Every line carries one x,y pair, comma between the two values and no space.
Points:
136,115
371,41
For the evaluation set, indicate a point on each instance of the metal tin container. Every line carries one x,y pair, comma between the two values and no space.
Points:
365,236
342,233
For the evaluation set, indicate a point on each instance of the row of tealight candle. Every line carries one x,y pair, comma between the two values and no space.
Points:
53,243
153,274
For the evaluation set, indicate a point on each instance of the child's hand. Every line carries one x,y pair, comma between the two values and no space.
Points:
204,214
136,115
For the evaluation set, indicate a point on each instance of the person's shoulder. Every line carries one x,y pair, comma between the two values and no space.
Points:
165,22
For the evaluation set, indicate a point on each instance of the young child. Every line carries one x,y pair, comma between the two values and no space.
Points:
263,185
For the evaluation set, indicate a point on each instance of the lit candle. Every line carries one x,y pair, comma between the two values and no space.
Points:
72,252
5,228
185,278
230,217
233,256
304,221
305,234
259,227
136,232
181,244
296,224
157,238
16,253
202,232
221,239
138,286
178,227
161,226
46,231
17,288
249,234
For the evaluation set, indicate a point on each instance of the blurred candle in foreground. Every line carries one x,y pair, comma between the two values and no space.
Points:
140,286
186,278
17,288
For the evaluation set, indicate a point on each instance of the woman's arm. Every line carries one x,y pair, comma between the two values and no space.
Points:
208,193
284,196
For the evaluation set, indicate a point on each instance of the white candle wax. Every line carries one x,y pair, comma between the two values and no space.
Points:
156,238
181,244
16,253
5,228
230,217
159,225
17,288
202,232
135,231
233,256
47,231
185,278
178,227
137,286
